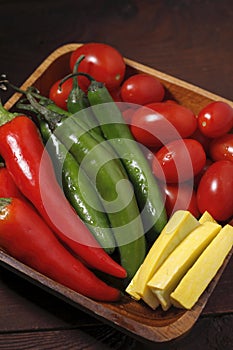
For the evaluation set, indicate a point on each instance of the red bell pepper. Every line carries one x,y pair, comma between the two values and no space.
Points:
30,166
25,236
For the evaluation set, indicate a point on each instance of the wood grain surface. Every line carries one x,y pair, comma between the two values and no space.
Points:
191,40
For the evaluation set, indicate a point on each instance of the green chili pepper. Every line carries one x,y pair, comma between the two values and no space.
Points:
118,133
78,189
77,100
111,181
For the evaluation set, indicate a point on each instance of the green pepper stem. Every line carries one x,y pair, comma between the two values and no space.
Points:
75,70
76,73
79,60
71,75
95,86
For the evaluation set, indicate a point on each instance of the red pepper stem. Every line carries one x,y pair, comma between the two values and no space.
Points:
4,202
50,116
33,90
16,88
6,83
25,107
5,115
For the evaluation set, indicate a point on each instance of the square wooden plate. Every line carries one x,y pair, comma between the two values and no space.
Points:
132,317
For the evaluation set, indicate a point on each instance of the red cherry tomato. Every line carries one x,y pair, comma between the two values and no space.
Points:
103,62
59,95
222,148
116,94
149,154
142,89
198,177
179,160
205,141
215,119
170,101
214,192
180,197
156,124
128,114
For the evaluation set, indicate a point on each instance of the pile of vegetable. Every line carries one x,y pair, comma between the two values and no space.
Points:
94,172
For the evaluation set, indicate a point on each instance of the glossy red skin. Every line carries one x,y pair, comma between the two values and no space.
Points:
102,61
60,96
198,177
156,124
142,89
31,168
180,197
215,119
25,236
214,192
179,160
128,114
205,141
8,187
222,148
116,94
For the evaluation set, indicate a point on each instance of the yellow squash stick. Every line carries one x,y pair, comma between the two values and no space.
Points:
206,217
178,227
203,271
167,277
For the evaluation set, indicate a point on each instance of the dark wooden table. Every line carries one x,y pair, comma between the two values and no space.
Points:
191,40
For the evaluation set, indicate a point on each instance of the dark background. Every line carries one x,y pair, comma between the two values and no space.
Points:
191,40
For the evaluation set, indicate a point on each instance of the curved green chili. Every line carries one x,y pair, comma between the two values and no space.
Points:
78,189
118,133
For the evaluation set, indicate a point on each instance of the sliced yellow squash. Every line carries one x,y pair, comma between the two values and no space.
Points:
178,227
203,271
167,277
206,217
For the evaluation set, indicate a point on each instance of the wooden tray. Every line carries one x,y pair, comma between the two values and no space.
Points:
134,318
